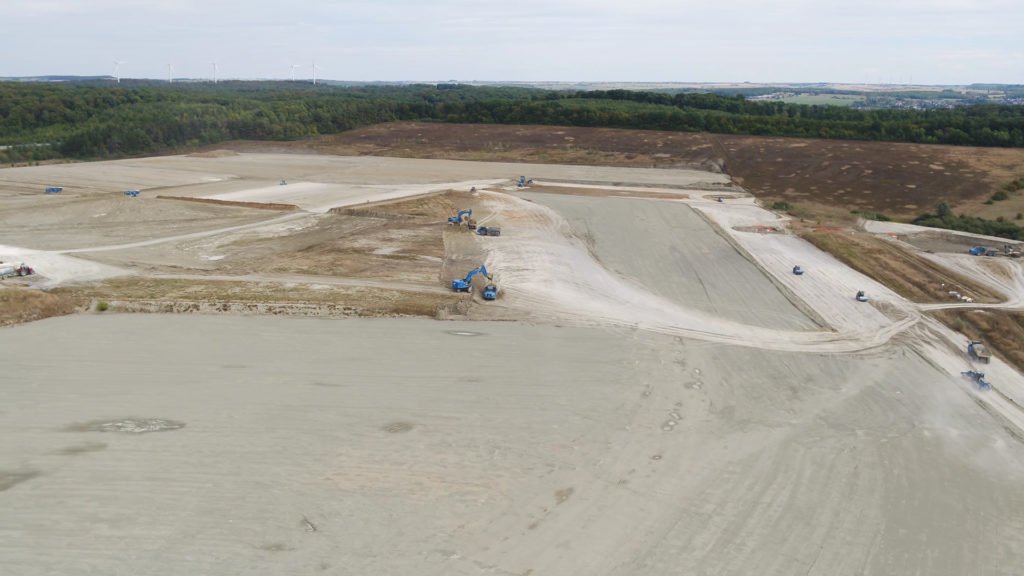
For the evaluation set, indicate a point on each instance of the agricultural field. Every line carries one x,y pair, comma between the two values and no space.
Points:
823,99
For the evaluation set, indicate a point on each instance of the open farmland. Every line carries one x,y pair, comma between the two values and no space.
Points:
652,391
823,99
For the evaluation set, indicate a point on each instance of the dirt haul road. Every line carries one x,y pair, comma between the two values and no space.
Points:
546,271
188,444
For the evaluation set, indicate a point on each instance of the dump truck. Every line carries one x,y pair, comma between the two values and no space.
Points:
8,269
131,193
490,292
977,250
861,296
798,270
977,351
54,190
488,231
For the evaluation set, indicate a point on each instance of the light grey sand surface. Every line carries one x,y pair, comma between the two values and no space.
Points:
683,258
288,446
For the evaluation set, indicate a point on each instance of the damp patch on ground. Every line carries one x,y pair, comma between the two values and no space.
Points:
128,425
82,448
10,479
398,427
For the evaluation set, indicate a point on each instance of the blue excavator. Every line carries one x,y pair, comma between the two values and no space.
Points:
978,378
462,215
465,284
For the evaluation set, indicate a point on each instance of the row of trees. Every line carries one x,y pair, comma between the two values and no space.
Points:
946,219
90,121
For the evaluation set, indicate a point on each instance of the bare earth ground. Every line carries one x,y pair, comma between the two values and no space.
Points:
669,398
354,447
92,231
897,179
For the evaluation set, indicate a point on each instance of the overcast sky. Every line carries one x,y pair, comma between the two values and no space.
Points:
924,41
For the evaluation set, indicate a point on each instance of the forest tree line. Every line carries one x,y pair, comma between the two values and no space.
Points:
40,121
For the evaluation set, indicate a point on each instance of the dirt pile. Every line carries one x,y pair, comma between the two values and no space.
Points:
213,154
257,205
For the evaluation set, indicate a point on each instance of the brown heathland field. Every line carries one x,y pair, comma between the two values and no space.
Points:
909,275
19,304
901,180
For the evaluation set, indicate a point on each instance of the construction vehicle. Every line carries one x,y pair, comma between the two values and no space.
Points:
523,182
282,183
490,292
798,270
977,251
861,296
132,193
488,231
978,378
977,351
54,190
464,284
8,269
462,215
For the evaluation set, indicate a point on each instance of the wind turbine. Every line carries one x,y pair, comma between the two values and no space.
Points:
314,73
117,70
170,72
214,63
294,66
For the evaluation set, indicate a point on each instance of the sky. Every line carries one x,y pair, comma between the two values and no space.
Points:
865,41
